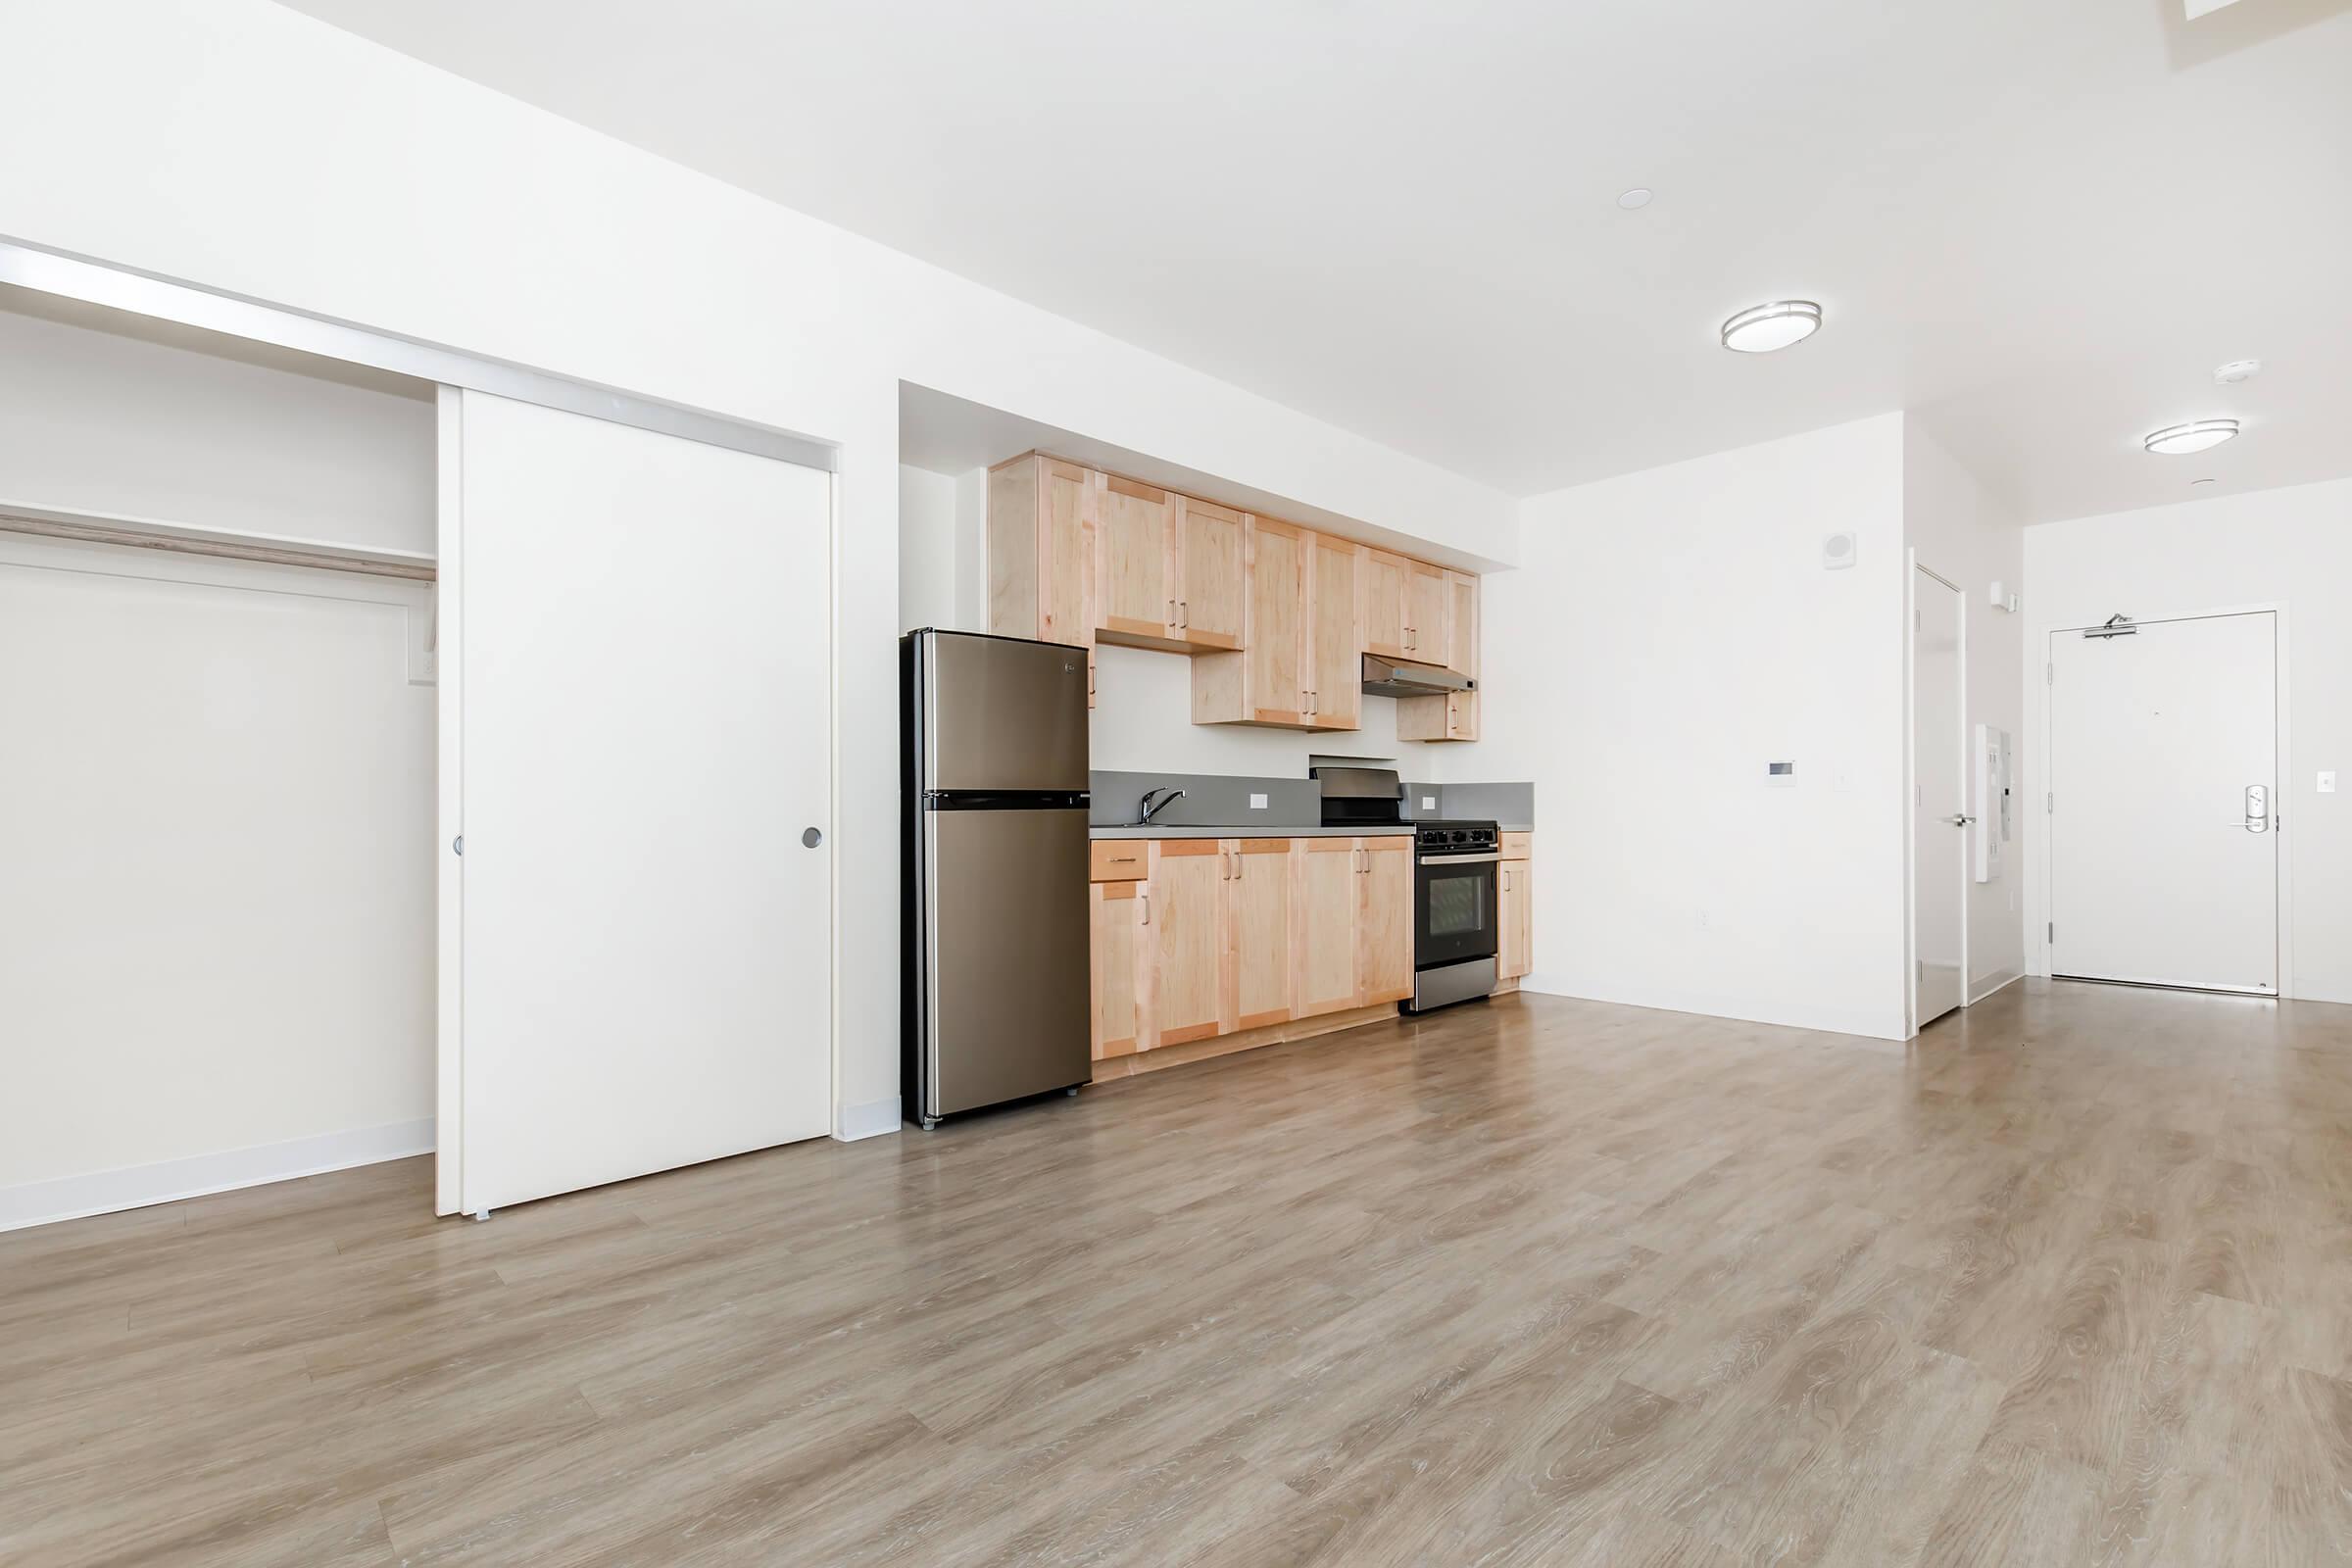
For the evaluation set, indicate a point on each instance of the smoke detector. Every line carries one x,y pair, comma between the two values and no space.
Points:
2236,370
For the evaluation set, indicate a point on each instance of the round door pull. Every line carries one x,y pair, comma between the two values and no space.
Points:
811,838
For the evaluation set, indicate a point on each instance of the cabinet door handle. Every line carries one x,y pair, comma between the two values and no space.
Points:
1171,611
1145,899
1183,614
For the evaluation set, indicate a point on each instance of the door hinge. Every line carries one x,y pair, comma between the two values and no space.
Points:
2050,803
2053,931
2049,674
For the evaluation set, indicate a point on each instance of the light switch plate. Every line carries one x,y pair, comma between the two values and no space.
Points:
1257,802
2327,782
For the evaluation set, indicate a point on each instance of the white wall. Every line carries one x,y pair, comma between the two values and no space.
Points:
1667,634
928,563
1143,722
1971,537
96,423
2291,547
250,149
217,819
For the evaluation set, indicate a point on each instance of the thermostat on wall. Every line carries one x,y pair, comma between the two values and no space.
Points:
1780,772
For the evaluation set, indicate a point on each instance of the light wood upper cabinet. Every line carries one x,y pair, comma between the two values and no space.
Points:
1169,571
1184,939
1135,588
1041,570
1264,683
1327,891
1211,574
1514,944
1446,717
1461,624
1116,952
1258,896
1335,667
1276,617
1427,605
1385,921
1452,717
1385,603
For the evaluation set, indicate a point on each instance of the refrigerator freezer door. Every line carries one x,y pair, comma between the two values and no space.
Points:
1003,715
1006,949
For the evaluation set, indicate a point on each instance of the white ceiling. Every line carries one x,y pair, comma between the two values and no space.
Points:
2039,224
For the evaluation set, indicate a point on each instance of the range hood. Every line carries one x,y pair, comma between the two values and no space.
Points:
1402,677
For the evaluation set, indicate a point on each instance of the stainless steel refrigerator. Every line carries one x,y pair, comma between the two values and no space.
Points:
992,736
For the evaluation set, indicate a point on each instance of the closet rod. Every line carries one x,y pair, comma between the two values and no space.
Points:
230,549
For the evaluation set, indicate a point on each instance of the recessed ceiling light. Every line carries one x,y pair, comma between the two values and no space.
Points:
1766,327
2198,435
2236,370
1638,196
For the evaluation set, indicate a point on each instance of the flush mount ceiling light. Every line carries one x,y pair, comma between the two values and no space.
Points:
1635,199
1766,327
2198,435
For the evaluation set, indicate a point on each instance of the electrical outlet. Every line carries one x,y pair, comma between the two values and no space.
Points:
1429,802
2327,782
1257,802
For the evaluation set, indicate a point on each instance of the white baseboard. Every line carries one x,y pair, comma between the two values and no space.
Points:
869,1120
1994,982
136,1186
1872,1025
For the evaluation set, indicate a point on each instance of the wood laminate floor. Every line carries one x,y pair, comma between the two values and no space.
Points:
1534,1281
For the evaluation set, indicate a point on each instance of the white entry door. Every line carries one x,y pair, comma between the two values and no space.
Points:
642,689
1939,796
2163,857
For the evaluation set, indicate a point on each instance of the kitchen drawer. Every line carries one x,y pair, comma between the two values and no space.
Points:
1117,860
1518,845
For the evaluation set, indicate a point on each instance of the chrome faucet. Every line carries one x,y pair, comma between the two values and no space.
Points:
1153,801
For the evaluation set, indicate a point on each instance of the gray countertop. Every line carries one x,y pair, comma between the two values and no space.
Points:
1261,830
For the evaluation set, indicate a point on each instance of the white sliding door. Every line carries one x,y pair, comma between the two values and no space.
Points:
638,662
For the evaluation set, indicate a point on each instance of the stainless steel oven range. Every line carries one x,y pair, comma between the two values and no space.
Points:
1455,899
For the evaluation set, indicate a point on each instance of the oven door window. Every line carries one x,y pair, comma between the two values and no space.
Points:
1457,915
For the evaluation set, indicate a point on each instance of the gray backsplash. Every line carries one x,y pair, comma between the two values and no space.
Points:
1223,800
1210,800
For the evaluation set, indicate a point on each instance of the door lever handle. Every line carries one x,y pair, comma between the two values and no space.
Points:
1958,821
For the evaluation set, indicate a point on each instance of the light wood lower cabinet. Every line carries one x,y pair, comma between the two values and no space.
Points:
1514,934
1385,921
1329,889
1117,961
1185,930
1258,895
1223,936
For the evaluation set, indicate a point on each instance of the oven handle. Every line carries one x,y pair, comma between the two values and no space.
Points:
1461,860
